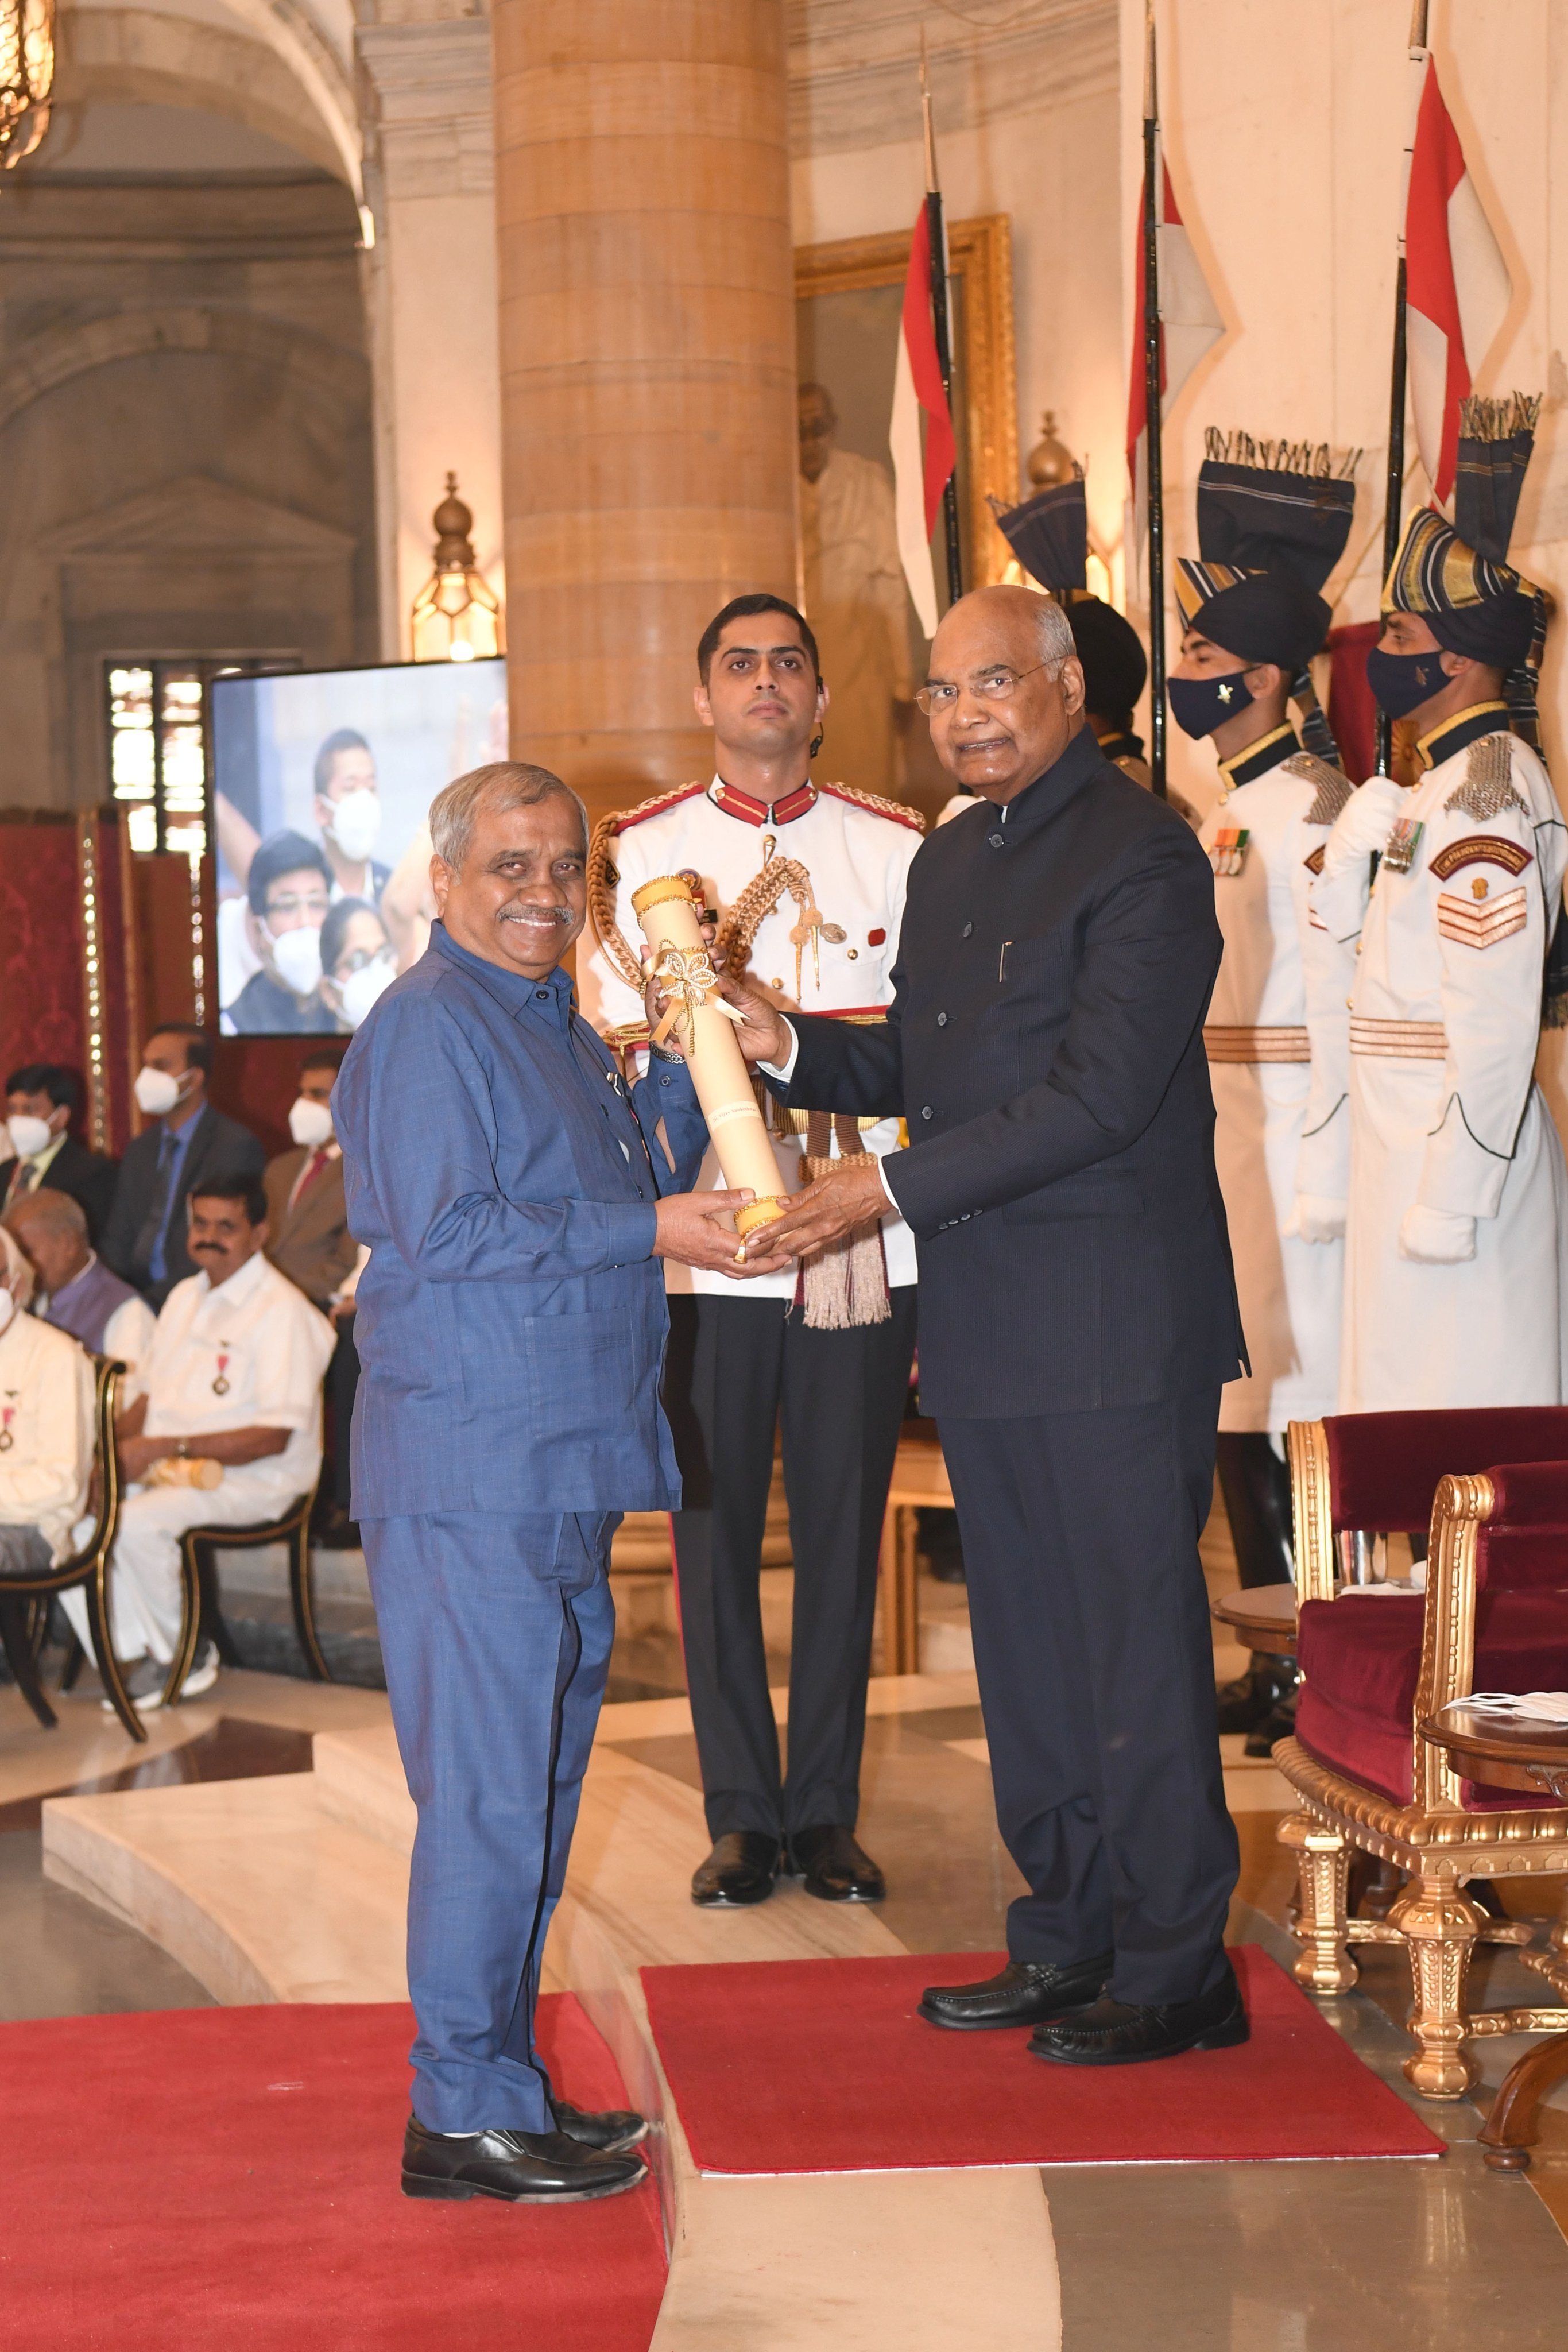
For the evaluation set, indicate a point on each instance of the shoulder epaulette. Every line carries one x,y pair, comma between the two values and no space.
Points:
1333,789
1488,787
874,805
656,806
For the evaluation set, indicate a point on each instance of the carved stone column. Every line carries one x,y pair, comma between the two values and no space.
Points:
648,365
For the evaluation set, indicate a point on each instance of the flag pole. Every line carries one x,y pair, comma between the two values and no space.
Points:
937,240
1154,471
1394,488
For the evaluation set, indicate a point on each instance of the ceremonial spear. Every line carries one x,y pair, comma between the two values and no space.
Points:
1153,373
1394,490
937,243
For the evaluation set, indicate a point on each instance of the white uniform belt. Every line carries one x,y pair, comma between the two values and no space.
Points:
1403,1040
1255,1044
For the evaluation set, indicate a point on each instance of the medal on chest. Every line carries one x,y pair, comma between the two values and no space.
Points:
7,1415
1403,843
1229,853
221,1384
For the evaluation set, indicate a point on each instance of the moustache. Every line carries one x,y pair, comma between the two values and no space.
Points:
536,915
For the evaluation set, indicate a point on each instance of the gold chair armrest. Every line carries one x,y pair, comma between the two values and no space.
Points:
1448,1627
1312,1510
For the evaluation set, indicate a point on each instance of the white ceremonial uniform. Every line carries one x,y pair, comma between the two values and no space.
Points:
46,1411
1445,1116
859,861
268,1347
1276,1034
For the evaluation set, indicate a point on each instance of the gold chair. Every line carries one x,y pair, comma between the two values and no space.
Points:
1373,1670
25,1599
199,1602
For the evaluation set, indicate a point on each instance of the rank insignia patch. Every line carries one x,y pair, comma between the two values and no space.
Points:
1403,843
1314,863
1230,851
1481,849
1472,926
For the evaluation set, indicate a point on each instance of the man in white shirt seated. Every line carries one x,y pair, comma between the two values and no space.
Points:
45,1428
77,1292
233,1376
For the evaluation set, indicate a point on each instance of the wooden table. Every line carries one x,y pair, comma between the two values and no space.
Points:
920,1481
1261,1616
1511,1752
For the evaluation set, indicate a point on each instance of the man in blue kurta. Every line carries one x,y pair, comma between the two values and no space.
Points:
516,1199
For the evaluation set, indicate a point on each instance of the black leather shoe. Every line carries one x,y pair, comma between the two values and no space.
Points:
1126,2034
834,1867
520,2167
1027,1992
611,2130
741,1868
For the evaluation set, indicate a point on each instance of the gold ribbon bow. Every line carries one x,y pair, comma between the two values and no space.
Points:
686,976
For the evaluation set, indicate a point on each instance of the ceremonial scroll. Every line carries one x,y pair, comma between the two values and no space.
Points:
706,1029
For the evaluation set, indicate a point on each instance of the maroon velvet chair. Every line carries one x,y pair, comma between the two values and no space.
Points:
1494,1488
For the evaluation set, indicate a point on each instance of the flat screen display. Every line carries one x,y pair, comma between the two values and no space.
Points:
321,784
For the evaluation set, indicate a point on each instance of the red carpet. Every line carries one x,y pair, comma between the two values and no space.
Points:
823,2066
227,2181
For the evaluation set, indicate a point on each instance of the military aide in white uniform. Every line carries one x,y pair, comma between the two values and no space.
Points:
1275,1031
738,1358
237,1357
1456,1283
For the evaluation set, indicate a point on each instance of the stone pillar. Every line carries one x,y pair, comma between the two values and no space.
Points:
648,365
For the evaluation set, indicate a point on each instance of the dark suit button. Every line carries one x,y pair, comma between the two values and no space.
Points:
925,1110
967,930
542,993
664,1082
941,1021
996,841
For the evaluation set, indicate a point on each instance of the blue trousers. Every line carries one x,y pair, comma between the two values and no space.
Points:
496,1631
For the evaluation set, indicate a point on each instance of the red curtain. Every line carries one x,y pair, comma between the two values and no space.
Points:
40,943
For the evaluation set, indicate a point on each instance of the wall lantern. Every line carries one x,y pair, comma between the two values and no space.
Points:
26,74
456,616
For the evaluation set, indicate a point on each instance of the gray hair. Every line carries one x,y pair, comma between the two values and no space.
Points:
1056,639
55,1211
503,785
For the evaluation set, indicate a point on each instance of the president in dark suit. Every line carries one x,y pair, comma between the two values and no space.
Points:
1077,1320
145,1239
516,1201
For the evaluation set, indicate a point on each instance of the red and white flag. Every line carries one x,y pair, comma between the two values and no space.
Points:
921,464
1456,285
1189,323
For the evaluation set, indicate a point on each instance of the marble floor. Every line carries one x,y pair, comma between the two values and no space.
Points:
1251,2258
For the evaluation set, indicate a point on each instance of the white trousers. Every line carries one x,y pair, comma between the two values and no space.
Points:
144,1573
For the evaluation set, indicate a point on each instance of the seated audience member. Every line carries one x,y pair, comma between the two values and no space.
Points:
289,890
357,961
41,1100
233,1378
144,1239
77,1292
45,1428
310,1243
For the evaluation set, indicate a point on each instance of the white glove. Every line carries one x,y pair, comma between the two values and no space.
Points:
1365,823
1435,1236
1313,1218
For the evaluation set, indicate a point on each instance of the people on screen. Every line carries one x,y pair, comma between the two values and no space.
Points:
289,894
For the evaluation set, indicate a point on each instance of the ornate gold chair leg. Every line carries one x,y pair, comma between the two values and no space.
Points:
1439,1926
1325,1965
184,1656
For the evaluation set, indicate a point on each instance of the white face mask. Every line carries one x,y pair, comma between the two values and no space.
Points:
357,822
156,1092
361,988
310,1123
297,958
28,1134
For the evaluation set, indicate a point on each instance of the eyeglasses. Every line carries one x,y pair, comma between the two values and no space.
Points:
992,684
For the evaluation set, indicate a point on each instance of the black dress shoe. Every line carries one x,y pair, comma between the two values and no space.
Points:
834,1867
1125,2034
1027,1992
520,2167
333,1530
611,2130
741,1868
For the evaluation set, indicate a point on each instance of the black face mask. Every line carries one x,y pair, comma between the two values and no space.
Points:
1401,683
1199,705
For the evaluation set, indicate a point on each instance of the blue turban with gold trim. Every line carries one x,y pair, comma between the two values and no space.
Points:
1269,534
1456,576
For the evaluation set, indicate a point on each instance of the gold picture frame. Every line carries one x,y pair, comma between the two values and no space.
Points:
984,362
